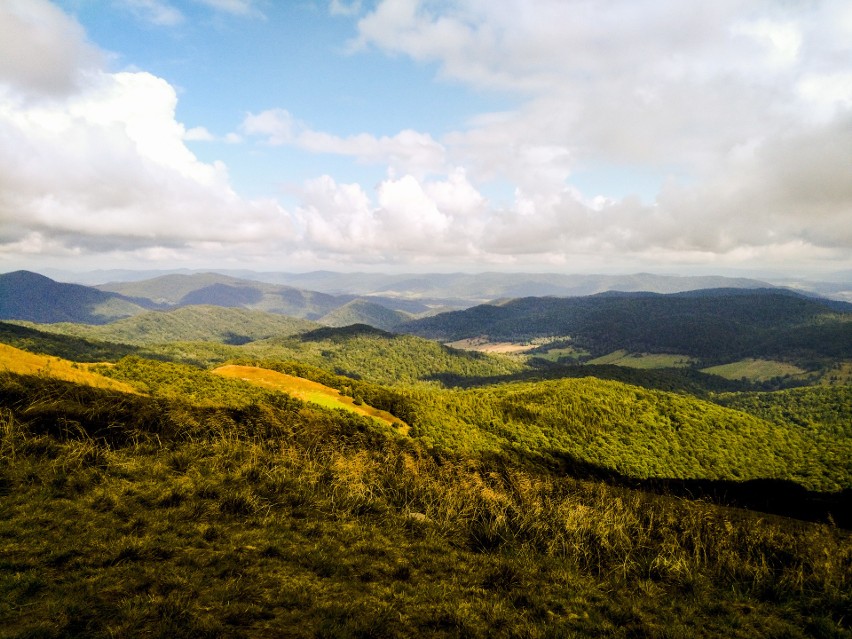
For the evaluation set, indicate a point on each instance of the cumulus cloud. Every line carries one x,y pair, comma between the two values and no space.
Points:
750,110
744,116
96,162
407,152
42,50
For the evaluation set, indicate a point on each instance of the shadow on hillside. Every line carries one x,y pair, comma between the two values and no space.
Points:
771,496
343,333
667,379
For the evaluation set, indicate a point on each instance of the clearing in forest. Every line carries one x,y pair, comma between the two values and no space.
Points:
757,370
643,360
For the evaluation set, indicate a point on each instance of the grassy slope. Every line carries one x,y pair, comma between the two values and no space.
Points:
15,360
73,348
261,521
308,391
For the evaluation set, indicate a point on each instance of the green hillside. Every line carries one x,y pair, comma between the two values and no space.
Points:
240,513
364,352
77,349
714,326
633,431
190,324
32,297
363,312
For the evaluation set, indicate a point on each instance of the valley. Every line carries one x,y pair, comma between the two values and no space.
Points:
617,464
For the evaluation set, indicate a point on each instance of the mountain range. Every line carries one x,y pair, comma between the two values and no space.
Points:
335,299
713,325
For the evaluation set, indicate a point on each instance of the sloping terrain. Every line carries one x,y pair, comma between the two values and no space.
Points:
364,312
222,290
481,287
191,324
15,360
308,391
32,297
715,326
239,513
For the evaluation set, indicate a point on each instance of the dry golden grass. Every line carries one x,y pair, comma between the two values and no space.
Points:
15,360
308,391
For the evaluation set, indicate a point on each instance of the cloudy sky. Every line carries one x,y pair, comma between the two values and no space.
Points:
427,135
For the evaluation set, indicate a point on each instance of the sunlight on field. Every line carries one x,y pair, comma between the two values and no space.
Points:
15,360
758,370
308,391
482,345
642,360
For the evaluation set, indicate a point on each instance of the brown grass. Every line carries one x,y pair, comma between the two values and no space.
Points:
14,360
308,391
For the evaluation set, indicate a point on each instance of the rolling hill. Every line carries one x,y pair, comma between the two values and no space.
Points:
32,297
189,324
361,311
481,287
223,290
715,326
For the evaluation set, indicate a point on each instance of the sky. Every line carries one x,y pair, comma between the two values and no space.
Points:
574,136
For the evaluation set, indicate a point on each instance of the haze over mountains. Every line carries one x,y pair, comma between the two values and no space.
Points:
339,299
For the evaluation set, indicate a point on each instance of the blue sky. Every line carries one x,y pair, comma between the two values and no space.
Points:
426,135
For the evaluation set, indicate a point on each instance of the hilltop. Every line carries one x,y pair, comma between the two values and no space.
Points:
714,326
29,296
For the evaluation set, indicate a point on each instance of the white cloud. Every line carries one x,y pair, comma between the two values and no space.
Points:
99,165
406,152
340,8
745,113
165,13
276,125
198,134
42,50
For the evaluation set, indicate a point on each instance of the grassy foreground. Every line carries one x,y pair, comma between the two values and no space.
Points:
123,515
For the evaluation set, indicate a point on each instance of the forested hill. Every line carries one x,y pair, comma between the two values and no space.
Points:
713,325
29,296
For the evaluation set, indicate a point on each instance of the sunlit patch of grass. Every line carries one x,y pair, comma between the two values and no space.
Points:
15,360
308,391
758,370
643,360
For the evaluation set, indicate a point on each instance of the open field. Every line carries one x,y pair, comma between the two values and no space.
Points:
482,345
758,370
308,391
14,360
642,360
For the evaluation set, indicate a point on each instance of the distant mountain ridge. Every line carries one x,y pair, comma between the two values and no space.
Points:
711,324
404,302
481,287
29,296
224,290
